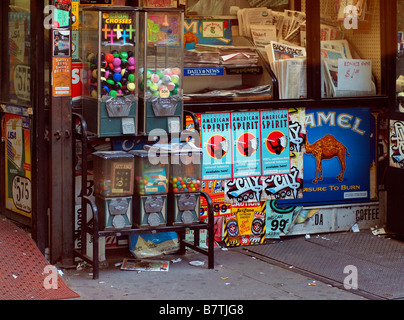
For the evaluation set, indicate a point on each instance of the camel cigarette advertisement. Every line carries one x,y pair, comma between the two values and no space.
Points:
339,159
216,144
246,144
275,142
18,163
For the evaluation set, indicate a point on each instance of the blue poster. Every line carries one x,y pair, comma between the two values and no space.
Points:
338,158
275,142
216,146
205,31
246,144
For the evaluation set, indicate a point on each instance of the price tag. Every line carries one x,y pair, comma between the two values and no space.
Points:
354,74
21,189
164,93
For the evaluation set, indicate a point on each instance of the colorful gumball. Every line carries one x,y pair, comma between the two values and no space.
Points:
116,62
168,71
160,73
154,78
124,55
166,78
131,86
176,71
109,57
175,78
131,77
117,77
170,86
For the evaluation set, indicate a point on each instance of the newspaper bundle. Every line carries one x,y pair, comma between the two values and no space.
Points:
289,66
331,52
236,56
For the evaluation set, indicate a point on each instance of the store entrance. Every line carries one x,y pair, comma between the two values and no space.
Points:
16,111
24,117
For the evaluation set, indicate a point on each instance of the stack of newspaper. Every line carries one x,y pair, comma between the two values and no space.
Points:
197,59
209,55
289,66
264,25
333,55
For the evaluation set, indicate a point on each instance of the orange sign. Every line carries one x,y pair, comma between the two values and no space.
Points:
61,76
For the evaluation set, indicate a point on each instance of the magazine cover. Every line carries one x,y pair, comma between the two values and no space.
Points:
277,51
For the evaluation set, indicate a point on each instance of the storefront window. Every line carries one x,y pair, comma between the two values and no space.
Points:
350,48
242,38
18,60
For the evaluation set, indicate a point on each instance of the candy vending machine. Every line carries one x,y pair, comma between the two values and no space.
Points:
160,70
185,184
109,41
113,188
151,188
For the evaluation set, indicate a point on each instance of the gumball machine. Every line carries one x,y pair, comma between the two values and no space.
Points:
151,174
113,188
109,39
151,188
160,70
185,184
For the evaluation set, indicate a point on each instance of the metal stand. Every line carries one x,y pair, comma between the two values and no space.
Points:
92,227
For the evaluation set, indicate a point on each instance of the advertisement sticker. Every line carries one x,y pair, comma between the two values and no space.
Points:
18,164
216,145
246,144
338,159
275,142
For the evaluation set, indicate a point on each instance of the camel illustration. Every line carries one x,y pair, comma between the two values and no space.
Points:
324,149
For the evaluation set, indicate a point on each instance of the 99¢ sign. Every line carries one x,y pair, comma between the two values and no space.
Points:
21,190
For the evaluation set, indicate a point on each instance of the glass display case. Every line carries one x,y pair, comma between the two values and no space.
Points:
109,52
185,169
151,177
350,41
113,173
160,70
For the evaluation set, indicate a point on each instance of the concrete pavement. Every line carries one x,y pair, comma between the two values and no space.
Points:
237,276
